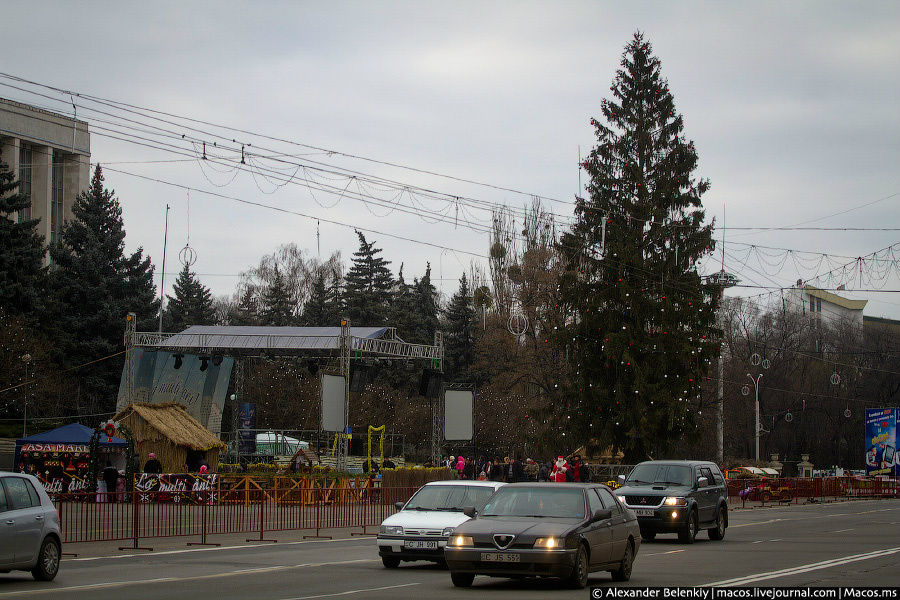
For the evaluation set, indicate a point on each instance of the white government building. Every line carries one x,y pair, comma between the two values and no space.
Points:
50,155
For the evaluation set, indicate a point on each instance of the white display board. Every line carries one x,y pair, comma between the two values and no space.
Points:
332,392
459,415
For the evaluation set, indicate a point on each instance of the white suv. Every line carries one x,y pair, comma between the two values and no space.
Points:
29,527
421,529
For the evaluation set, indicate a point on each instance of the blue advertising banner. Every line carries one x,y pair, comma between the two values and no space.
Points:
246,427
202,392
881,441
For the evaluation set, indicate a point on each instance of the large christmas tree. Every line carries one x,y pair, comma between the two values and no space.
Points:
642,318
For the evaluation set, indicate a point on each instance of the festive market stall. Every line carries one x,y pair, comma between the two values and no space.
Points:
61,458
180,442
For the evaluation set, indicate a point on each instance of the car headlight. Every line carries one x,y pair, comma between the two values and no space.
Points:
675,501
391,530
548,543
447,531
461,541
621,498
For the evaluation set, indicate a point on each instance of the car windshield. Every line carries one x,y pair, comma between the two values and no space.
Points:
655,473
449,497
536,502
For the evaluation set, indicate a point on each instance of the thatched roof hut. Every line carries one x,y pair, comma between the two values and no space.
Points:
178,440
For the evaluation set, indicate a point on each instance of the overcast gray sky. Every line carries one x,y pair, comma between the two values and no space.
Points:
792,107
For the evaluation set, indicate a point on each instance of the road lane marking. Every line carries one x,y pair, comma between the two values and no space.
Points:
757,523
348,592
661,553
111,584
840,530
758,542
776,540
362,541
802,568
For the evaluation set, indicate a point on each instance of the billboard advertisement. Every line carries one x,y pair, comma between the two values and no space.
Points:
201,389
881,441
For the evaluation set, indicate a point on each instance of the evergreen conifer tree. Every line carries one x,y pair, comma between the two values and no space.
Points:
245,312
322,308
459,333
96,286
192,304
277,306
22,272
402,313
367,287
425,307
643,318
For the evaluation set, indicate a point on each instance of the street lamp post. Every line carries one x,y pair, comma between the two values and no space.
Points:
26,358
756,390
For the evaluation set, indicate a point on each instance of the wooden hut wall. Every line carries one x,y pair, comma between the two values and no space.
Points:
148,439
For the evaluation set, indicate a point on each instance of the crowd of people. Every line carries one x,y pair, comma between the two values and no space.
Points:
515,469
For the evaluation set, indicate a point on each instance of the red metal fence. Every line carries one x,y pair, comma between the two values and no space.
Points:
800,489
133,516
90,517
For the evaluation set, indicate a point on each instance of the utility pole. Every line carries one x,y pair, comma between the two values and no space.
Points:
756,426
26,358
162,283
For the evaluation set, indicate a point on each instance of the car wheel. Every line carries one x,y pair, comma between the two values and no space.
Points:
578,578
48,561
462,579
689,532
718,532
623,573
390,562
648,535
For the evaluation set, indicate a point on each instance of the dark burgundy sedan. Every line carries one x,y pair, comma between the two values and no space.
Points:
565,530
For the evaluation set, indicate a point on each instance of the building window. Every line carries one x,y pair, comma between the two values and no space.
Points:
818,305
56,197
812,304
25,180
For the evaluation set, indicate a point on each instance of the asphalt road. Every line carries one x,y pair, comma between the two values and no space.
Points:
848,543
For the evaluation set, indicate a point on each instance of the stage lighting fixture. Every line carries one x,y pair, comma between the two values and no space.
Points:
178,359
217,359
204,363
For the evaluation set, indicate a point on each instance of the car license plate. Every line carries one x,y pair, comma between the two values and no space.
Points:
643,512
508,557
420,545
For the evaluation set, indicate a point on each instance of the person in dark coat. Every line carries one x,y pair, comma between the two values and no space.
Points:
515,471
496,473
152,465
111,478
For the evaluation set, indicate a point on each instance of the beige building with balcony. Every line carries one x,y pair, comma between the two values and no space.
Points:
50,155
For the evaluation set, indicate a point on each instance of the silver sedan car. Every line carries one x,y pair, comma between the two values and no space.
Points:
29,527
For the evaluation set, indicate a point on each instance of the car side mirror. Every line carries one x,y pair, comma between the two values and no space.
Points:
399,505
469,511
702,481
621,478
601,514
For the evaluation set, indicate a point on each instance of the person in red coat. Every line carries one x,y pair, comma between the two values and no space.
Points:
560,467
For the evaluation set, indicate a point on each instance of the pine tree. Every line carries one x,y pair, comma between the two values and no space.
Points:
277,306
367,287
22,272
459,333
322,308
642,316
425,306
402,314
192,304
245,312
96,286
